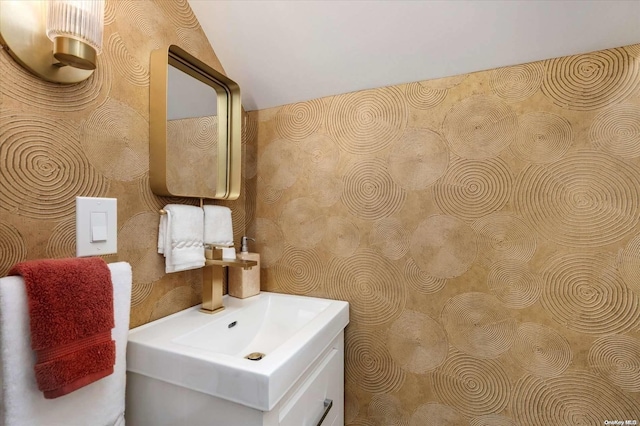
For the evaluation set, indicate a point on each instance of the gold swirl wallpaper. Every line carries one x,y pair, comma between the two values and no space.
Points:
92,139
485,229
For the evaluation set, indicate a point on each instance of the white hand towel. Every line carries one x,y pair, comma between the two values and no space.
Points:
218,228
181,230
100,403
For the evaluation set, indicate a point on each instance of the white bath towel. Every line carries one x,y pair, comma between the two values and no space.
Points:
180,237
100,403
218,227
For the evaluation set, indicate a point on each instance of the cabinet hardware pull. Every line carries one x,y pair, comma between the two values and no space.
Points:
328,403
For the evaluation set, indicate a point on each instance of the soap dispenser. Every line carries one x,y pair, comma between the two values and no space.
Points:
245,283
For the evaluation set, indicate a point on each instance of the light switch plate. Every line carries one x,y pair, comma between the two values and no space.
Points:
91,225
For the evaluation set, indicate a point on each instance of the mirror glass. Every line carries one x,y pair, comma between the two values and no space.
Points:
194,128
192,133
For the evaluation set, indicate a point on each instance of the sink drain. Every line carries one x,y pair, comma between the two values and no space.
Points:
255,356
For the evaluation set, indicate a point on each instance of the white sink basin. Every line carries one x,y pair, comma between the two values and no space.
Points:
206,352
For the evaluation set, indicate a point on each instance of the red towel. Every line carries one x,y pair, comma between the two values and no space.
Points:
71,317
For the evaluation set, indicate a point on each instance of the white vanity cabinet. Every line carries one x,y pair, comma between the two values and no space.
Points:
319,390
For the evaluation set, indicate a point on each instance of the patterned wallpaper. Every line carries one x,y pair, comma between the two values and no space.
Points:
485,229
92,139
192,142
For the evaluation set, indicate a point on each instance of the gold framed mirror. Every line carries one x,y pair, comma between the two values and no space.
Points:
195,140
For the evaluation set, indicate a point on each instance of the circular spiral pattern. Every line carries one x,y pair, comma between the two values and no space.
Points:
299,120
493,420
319,154
62,241
616,131
270,194
590,81
369,191
12,248
298,271
418,158
303,222
434,414
270,170
542,137
480,127
145,26
504,237
48,155
140,292
420,281
269,241
474,386
629,264
417,342
443,246
179,12
387,410
633,50
57,99
517,83
199,134
478,325
115,138
514,283
586,199
421,96
366,280
129,67
192,142
147,264
110,10
576,398
541,350
369,364
471,189
368,121
389,237
341,236
617,359
584,293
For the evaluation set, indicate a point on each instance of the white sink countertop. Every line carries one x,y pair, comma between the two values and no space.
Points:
205,352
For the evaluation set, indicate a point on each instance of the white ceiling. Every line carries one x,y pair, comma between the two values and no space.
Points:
281,52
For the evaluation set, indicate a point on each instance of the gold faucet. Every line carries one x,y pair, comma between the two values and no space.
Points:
212,278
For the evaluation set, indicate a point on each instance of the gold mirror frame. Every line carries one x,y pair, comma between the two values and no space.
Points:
228,167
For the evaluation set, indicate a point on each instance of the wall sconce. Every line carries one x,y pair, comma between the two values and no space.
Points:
57,40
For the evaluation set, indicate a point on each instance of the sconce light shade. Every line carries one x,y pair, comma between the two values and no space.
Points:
75,27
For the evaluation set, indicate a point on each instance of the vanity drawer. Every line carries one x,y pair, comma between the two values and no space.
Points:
307,405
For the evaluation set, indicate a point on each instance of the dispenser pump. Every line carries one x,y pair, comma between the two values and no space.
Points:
243,282
244,247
